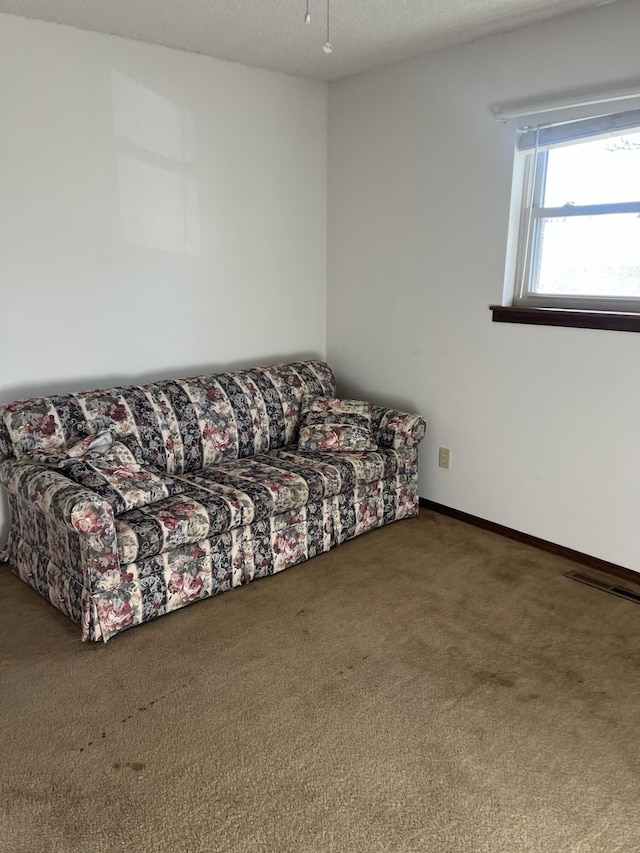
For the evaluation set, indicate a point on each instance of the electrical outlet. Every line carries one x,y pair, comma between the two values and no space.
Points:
444,457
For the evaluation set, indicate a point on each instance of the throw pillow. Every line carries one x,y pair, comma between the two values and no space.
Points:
330,424
113,467
118,477
55,457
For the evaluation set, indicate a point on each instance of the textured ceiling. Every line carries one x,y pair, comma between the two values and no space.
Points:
272,33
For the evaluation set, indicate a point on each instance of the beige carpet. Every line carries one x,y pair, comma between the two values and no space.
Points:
426,687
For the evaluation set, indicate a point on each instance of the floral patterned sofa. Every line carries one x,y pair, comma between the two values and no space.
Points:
128,503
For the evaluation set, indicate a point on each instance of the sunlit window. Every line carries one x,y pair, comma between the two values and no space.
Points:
579,236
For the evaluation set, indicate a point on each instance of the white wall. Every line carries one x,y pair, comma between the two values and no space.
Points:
543,423
161,213
160,210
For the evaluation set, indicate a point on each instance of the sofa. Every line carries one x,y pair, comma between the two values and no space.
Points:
128,503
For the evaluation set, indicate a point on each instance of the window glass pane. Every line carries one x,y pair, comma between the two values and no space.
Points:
597,172
589,255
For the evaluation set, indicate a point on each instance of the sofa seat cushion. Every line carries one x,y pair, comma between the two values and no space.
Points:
330,474
234,494
212,501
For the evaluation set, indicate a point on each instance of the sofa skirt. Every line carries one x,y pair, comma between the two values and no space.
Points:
169,581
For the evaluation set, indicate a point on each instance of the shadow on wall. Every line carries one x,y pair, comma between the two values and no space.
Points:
89,383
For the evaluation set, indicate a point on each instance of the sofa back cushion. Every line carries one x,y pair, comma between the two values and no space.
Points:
181,424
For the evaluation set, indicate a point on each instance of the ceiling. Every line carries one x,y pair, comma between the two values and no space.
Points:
272,33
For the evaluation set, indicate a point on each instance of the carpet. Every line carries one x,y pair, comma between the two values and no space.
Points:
429,686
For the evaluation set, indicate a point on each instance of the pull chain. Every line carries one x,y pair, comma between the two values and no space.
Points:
327,46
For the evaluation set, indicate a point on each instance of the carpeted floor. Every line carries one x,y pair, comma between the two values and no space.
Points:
427,688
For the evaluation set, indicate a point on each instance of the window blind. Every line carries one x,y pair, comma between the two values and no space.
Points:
547,136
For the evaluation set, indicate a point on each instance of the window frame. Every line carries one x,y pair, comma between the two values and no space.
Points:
530,172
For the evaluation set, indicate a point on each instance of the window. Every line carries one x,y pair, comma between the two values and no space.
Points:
577,246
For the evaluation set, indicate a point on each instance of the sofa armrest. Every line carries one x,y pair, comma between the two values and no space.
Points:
76,508
395,429
56,495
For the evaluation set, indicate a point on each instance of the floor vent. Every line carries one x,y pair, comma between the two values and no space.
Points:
620,591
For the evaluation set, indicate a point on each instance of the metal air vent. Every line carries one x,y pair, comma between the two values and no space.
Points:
620,591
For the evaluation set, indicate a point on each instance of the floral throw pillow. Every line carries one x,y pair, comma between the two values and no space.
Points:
55,457
330,424
118,477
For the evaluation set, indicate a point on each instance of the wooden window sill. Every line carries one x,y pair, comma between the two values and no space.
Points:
611,320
